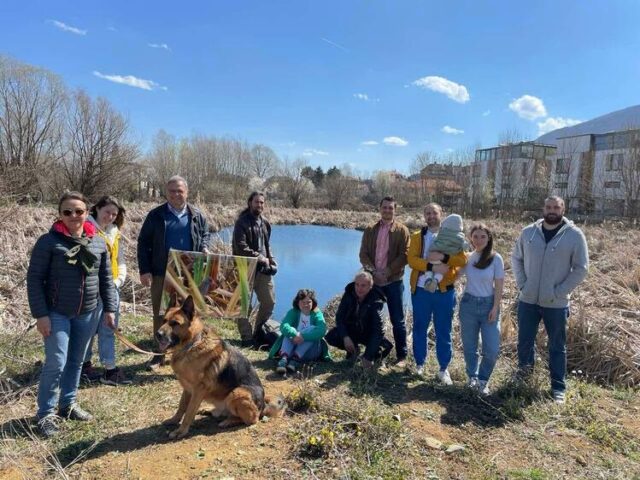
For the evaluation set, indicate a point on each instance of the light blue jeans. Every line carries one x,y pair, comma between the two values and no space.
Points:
305,352
474,323
106,337
64,351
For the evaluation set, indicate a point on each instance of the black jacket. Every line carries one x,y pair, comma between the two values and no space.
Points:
362,321
152,253
55,285
246,235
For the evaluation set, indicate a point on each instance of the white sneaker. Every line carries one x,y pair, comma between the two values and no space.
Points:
482,387
558,396
444,377
473,383
420,370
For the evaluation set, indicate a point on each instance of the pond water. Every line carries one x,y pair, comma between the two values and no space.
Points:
309,256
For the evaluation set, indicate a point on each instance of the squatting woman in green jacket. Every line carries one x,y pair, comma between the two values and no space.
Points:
302,331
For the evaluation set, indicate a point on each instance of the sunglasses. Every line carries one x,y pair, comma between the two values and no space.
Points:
78,212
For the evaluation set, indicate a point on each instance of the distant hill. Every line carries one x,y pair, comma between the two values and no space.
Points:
618,120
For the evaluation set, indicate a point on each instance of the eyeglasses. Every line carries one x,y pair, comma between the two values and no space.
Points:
78,212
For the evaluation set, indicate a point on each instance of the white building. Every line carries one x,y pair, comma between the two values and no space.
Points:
515,174
599,173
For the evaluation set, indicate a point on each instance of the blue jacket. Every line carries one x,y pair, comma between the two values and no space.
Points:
152,253
55,285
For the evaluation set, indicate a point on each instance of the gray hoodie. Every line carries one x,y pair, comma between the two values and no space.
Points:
546,273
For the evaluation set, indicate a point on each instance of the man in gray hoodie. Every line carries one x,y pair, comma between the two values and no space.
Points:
549,260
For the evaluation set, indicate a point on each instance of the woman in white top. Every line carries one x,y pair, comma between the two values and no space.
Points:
480,307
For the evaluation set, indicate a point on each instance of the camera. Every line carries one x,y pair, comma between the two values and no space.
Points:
267,269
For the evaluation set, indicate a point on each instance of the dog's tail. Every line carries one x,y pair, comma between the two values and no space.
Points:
274,407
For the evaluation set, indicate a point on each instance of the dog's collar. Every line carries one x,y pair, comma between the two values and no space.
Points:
190,345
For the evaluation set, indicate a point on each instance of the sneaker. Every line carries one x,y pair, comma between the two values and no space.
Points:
155,363
88,374
483,389
558,396
473,383
292,366
74,412
114,377
401,364
48,425
352,357
282,366
247,343
444,377
420,370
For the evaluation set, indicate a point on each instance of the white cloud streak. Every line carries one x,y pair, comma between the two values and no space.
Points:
452,90
312,152
486,113
365,98
451,130
553,123
131,81
163,46
395,141
528,107
334,44
369,143
68,28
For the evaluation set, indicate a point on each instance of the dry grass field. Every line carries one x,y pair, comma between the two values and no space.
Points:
340,422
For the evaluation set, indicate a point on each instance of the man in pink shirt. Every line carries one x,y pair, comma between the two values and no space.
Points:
383,252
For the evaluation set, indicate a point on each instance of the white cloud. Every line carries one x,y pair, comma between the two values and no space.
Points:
288,144
68,28
486,113
369,142
451,130
364,97
395,141
449,150
453,90
163,46
553,123
131,81
528,107
334,44
312,152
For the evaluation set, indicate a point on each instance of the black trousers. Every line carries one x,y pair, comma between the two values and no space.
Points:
334,339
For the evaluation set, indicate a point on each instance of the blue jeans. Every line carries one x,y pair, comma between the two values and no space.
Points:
64,351
474,322
555,323
106,337
305,352
394,292
439,306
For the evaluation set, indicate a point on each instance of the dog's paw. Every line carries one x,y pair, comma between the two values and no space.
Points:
178,434
171,421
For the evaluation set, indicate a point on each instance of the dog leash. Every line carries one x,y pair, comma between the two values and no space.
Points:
129,344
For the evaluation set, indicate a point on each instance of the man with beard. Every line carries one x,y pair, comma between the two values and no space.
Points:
549,260
251,236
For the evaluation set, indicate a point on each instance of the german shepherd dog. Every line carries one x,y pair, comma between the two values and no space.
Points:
210,370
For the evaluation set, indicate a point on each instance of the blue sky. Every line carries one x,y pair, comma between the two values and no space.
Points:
318,80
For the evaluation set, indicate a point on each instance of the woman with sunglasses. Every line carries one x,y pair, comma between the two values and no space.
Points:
68,270
107,215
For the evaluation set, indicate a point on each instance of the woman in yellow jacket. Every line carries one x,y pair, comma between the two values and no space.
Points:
439,304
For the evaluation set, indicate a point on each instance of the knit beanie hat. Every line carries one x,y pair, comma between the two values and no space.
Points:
452,222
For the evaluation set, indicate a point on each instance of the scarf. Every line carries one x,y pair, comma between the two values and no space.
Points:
79,253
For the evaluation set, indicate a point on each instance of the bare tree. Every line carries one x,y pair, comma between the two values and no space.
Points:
340,188
31,108
162,160
630,173
99,158
264,161
296,186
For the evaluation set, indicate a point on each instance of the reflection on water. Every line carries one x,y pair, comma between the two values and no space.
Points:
308,256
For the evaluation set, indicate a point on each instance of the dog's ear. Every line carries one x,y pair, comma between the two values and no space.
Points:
188,307
173,300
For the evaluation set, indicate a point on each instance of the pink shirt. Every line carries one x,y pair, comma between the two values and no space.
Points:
382,246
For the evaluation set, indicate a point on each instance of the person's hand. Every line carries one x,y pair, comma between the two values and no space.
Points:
44,326
435,257
441,268
349,345
273,262
110,320
206,251
145,279
493,314
298,339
